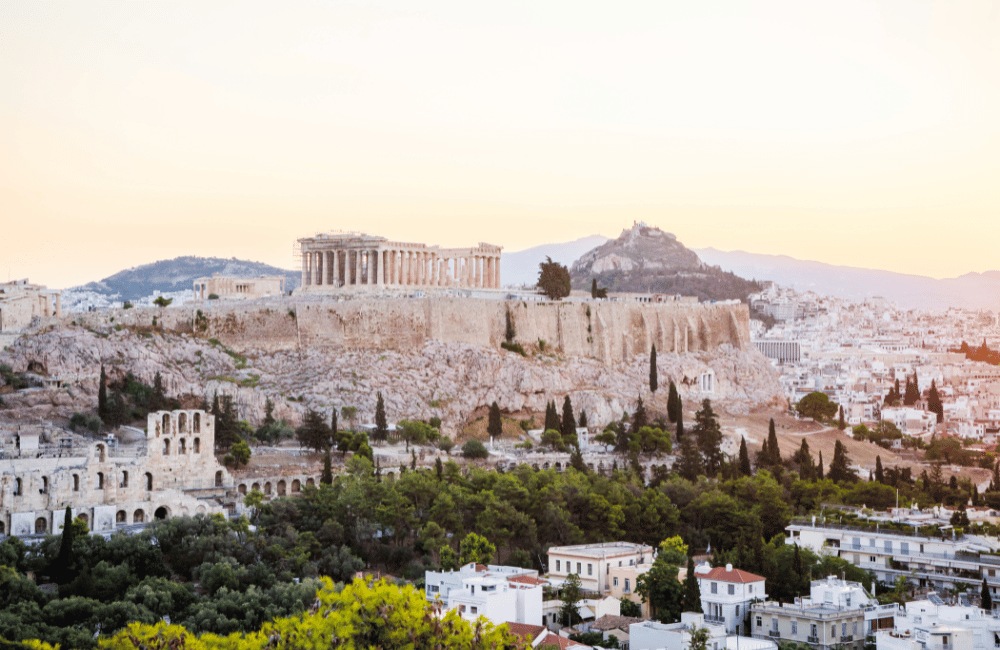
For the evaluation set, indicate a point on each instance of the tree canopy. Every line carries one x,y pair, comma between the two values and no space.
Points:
553,279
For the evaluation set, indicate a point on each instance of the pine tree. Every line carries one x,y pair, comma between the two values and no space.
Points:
381,424
879,472
568,423
690,463
495,424
653,380
327,476
158,399
102,396
744,462
673,402
986,597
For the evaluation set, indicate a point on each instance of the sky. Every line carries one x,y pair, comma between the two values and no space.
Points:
855,133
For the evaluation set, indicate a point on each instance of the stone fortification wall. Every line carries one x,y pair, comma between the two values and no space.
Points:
606,331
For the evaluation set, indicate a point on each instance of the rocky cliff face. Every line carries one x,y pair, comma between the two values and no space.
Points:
433,372
649,260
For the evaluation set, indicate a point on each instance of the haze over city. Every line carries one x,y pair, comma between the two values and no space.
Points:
860,133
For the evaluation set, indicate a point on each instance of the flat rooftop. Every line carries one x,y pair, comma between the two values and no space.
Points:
608,549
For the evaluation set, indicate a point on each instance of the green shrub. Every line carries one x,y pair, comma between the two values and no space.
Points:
474,449
513,347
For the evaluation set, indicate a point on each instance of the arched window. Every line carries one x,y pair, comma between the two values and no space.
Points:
76,482
197,422
309,481
267,488
121,517
41,526
218,478
161,513
100,480
182,421
3,529
296,486
166,424
18,487
138,517
45,485
197,445
255,486
242,489
100,453
281,488
85,519
166,446
124,482
149,481
182,448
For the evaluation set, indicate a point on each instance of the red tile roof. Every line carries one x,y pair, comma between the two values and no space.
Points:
736,575
525,631
525,579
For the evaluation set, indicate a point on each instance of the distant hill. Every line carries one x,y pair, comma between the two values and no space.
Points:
646,259
178,274
521,267
972,290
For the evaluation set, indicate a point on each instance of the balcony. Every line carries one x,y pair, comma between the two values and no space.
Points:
718,620
847,638
773,633
812,639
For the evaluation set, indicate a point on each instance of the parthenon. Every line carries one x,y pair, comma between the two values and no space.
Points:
342,260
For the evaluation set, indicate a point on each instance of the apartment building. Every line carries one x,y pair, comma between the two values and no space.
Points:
932,625
726,594
593,562
503,594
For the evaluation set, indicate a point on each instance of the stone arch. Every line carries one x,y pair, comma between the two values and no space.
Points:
182,422
100,480
124,482
76,482
535,466
182,446
558,466
166,424
149,480
45,485
139,516
41,526
296,486
3,528
545,466
161,513
85,519
218,478
166,446
310,482
101,453
18,487
267,487
255,486
242,489
121,517
281,488
37,367
196,421
201,510
197,445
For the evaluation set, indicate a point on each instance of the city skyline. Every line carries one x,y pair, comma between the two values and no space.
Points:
861,135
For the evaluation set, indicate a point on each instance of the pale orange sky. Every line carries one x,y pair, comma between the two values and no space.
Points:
858,133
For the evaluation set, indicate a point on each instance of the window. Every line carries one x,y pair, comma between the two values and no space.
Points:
737,610
904,548
558,565
473,609
615,582
774,625
795,628
758,621
732,589
590,569
628,585
843,629
750,588
715,588
433,589
124,480
888,546
854,628
76,482
579,570
100,480
17,487
944,640
45,485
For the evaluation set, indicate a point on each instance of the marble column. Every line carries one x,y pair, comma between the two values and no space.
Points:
336,268
372,263
305,269
357,267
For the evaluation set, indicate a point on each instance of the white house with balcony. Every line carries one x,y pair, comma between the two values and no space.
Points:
726,594
932,625
502,594
653,635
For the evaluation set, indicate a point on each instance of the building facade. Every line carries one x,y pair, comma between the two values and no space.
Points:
354,260
230,288
593,562
21,303
172,470
726,594
503,594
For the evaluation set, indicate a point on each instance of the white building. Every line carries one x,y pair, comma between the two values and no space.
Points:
930,624
652,635
503,594
593,562
726,594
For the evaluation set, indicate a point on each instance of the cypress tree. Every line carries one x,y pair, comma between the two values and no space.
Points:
568,423
552,417
692,594
934,404
673,402
269,412
840,469
102,396
690,463
986,597
744,464
803,459
879,472
158,400
583,419
495,425
653,380
819,467
709,436
680,425
64,560
841,424
327,477
381,424
639,418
